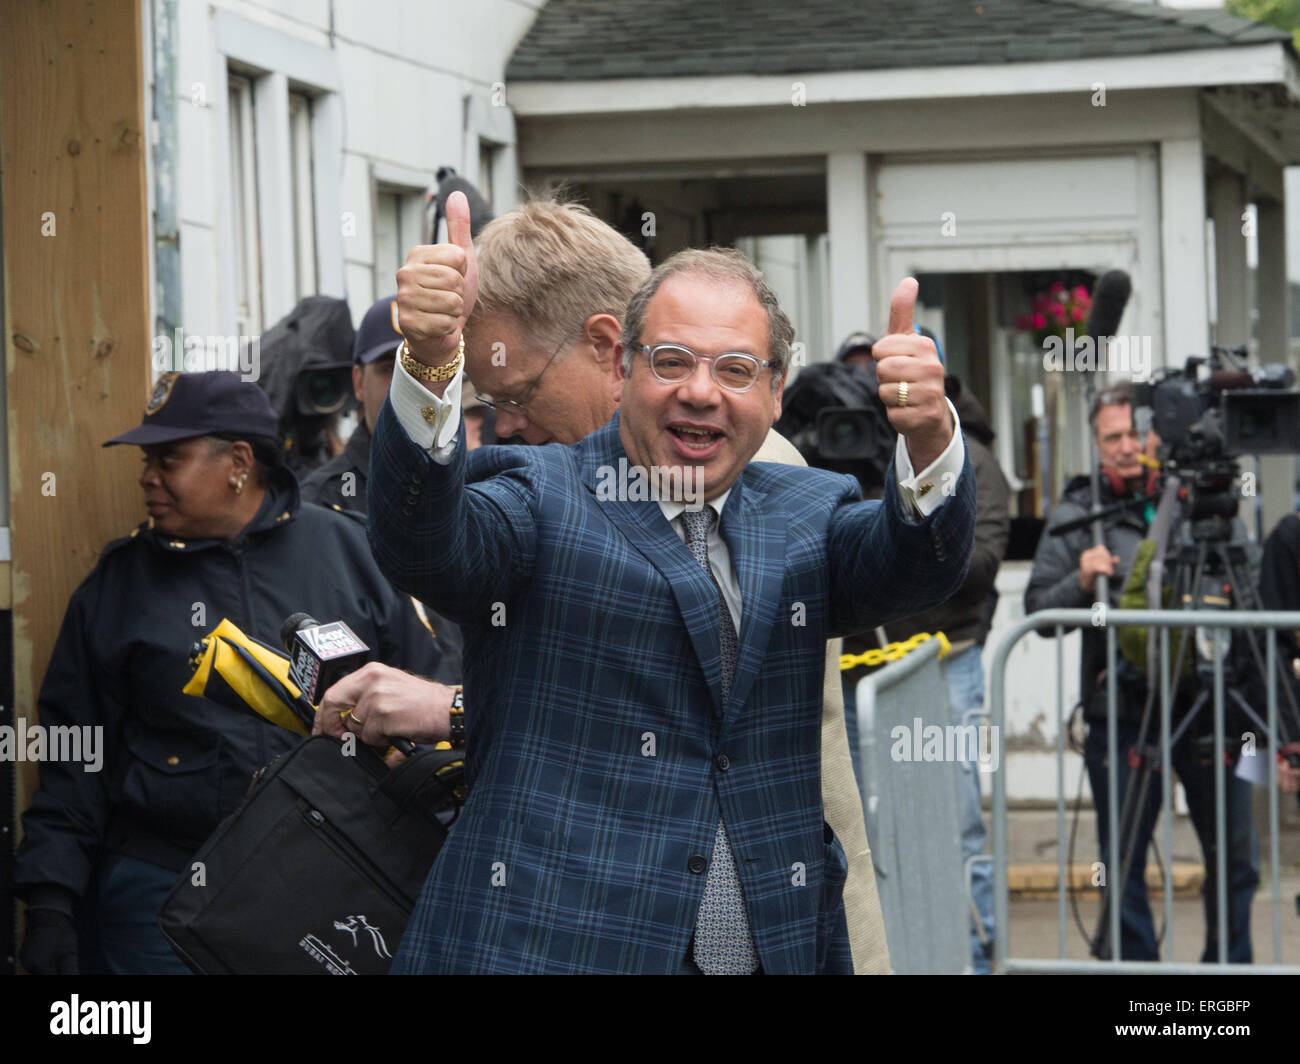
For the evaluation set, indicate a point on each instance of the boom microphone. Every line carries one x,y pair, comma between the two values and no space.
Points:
1108,301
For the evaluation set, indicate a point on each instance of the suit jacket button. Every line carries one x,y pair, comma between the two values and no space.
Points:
697,864
407,511
724,762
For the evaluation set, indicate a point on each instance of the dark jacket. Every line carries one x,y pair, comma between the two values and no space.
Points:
341,484
331,485
174,765
968,614
1054,584
1278,588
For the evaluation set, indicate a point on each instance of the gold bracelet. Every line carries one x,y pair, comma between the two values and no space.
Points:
431,374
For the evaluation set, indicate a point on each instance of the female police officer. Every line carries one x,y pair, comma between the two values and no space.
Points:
226,537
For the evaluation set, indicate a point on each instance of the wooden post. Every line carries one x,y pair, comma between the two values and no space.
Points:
76,304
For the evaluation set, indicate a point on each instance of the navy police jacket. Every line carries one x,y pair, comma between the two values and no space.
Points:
175,765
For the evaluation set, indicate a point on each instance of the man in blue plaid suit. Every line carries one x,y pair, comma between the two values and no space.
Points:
644,683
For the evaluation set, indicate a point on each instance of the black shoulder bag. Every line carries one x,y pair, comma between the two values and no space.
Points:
318,870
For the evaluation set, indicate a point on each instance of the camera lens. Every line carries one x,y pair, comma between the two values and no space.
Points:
844,432
322,391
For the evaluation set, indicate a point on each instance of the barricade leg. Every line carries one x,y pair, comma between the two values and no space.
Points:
1137,929
1243,850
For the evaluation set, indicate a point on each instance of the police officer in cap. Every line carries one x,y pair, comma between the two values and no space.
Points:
226,537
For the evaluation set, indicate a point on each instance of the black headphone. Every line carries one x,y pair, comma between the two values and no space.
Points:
1120,489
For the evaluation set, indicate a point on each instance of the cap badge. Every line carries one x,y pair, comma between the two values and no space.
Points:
162,391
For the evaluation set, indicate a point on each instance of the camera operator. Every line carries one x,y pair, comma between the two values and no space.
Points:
1279,589
1064,575
306,358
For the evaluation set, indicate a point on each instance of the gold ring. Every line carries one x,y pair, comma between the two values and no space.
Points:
902,393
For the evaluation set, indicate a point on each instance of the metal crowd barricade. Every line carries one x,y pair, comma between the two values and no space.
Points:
913,819
1220,621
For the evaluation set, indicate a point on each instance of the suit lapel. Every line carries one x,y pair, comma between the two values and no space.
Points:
756,538
645,528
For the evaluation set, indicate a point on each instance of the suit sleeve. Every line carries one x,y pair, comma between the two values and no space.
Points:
459,547
882,567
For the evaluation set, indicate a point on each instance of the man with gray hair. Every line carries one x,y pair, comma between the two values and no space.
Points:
643,681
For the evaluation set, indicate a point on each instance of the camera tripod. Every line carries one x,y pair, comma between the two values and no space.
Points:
1213,572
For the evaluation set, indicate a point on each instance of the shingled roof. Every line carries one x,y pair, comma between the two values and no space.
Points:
582,40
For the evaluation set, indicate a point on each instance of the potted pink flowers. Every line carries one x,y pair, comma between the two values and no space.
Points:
1054,311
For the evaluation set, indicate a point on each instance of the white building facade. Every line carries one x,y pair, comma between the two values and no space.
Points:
302,139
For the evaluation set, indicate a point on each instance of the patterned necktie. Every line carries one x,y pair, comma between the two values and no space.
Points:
723,944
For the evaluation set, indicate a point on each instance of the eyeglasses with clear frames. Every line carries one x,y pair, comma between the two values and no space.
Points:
734,371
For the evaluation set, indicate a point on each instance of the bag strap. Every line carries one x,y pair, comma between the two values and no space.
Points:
409,778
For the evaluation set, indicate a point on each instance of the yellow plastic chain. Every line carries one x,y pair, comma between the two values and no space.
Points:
892,652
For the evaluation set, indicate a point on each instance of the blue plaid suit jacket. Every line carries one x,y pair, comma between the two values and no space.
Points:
593,693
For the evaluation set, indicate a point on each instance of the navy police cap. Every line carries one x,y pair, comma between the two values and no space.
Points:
379,335
183,405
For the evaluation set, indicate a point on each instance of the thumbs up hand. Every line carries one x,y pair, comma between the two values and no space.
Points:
436,289
910,376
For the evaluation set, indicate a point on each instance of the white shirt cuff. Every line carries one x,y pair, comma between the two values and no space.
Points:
411,399
924,492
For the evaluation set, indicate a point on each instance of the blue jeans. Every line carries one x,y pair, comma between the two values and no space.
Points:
120,934
965,672
1137,929
965,675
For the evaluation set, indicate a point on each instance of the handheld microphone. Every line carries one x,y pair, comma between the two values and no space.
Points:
322,654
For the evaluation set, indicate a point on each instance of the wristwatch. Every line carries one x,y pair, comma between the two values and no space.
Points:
456,719
431,374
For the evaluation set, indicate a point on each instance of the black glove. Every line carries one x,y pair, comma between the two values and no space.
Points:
50,946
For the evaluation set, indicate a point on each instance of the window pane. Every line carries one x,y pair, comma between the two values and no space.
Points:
486,162
389,254
243,184
304,213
